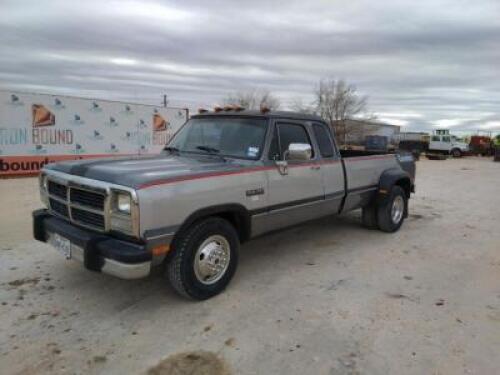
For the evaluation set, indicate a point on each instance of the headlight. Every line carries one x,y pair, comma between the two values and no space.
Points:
43,182
123,203
124,213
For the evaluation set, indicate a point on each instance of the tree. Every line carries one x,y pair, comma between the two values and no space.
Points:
336,102
253,99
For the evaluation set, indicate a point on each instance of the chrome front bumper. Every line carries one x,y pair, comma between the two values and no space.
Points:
110,266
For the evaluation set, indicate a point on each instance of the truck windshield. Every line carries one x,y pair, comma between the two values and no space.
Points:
241,138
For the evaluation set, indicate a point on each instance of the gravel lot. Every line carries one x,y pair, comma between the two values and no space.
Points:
328,297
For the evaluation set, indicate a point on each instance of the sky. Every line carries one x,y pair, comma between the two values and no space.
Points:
423,64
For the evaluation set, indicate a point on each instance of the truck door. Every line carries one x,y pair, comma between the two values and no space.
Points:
298,195
331,167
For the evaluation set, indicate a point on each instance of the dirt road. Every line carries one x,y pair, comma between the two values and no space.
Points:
328,297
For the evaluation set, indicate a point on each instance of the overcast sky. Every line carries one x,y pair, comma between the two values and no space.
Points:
423,64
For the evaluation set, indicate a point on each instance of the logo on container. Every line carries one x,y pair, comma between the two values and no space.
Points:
111,122
41,116
142,124
77,120
112,149
128,110
159,123
58,104
95,107
38,150
15,100
78,149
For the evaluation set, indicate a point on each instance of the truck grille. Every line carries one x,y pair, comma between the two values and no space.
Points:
88,218
87,198
59,207
79,205
58,190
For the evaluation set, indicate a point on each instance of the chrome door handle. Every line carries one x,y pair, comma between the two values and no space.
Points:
316,167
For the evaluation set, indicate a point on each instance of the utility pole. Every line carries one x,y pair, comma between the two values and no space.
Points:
165,101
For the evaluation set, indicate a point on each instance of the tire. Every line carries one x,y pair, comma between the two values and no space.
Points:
190,271
456,153
388,221
369,216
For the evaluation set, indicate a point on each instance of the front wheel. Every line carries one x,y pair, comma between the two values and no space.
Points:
391,213
456,153
204,259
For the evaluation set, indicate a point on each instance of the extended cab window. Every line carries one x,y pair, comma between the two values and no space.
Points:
283,136
324,140
436,138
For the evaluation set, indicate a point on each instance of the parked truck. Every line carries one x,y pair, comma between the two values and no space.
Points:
224,178
442,142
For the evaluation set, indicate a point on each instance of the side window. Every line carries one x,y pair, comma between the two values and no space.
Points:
446,138
436,138
292,133
324,140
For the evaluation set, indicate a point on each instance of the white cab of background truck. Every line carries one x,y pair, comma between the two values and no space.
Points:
442,141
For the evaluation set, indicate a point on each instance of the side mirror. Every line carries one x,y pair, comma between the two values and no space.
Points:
298,151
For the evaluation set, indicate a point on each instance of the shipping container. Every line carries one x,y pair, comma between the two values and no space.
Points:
36,129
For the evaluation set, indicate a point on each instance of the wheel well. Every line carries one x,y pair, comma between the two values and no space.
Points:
239,221
237,215
405,185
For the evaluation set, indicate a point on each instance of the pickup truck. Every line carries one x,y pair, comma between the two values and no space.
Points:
223,179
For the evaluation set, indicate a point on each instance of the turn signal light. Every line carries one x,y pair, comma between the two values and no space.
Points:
160,250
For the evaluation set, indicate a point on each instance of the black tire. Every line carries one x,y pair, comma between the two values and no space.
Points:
180,269
385,218
369,216
456,153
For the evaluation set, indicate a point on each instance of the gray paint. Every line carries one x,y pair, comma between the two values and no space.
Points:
171,187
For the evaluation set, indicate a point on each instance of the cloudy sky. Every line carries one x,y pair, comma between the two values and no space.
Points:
423,64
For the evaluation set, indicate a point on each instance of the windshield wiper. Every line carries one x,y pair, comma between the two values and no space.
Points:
208,149
171,149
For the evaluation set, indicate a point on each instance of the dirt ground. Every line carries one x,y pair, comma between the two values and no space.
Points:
328,297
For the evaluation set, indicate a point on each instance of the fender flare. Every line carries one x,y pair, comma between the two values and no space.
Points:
240,218
388,179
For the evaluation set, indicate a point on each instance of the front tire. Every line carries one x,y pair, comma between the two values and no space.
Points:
391,213
456,153
205,259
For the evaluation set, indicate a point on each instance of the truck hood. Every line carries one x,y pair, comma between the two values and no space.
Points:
140,171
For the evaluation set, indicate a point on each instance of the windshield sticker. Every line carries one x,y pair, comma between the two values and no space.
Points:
252,151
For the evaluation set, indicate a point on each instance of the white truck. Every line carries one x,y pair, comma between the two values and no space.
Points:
443,142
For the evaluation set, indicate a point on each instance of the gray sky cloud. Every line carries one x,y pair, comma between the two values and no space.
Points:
423,64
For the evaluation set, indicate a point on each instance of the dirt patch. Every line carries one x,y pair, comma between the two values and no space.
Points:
192,363
21,282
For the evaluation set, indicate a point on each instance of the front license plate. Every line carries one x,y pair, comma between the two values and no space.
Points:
63,245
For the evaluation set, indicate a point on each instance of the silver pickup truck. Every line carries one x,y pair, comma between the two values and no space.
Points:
224,178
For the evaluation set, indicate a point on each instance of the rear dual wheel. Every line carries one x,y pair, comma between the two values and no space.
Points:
389,214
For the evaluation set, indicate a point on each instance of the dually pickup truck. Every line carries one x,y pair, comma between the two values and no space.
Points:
224,178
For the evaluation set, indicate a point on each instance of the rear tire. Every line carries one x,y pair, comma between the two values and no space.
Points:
369,216
391,213
205,259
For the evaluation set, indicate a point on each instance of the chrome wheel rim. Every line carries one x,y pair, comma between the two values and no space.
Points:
397,210
211,260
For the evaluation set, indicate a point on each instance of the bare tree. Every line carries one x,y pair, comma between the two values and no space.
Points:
298,105
253,99
336,102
